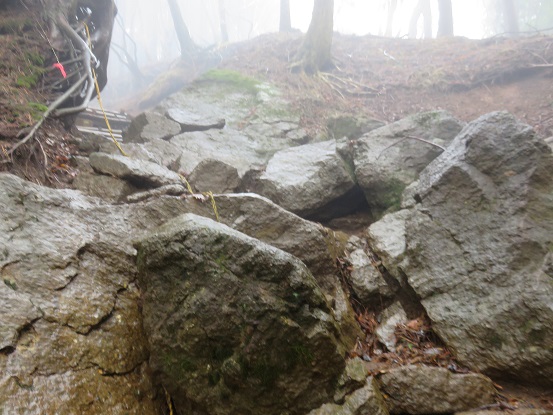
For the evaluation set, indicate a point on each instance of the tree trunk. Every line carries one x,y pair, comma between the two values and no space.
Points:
392,6
187,45
285,21
510,17
422,9
223,21
445,24
314,53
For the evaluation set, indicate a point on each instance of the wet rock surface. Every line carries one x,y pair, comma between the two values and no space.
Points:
190,121
237,326
138,172
389,158
149,126
479,248
469,253
72,335
307,178
434,390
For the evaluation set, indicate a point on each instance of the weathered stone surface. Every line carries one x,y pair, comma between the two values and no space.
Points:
434,390
305,179
272,347
190,121
520,411
315,245
389,319
352,127
71,338
366,281
386,160
228,146
149,126
110,189
141,173
479,248
367,400
354,377
387,239
214,176
167,190
156,150
86,392
257,118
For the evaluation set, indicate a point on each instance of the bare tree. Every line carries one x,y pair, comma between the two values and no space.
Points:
421,9
314,53
510,17
445,23
285,21
223,21
187,45
392,6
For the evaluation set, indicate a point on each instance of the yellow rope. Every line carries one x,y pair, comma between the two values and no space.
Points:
208,194
100,100
188,187
213,205
168,400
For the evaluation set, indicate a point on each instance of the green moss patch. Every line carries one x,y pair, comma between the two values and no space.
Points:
234,79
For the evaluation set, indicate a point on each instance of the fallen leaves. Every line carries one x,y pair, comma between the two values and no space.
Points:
416,343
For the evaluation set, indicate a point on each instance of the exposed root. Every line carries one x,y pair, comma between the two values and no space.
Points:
347,85
53,106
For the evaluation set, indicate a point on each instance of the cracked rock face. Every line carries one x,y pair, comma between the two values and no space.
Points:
478,248
434,390
71,336
235,326
388,159
71,331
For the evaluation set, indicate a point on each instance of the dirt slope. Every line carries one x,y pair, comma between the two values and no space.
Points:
382,78
390,78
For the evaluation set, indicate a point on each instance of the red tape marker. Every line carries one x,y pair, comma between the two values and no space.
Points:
60,67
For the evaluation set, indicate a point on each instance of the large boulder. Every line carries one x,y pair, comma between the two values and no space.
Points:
214,176
190,121
228,146
71,337
478,248
307,179
235,325
141,173
434,390
366,400
316,246
365,280
150,126
391,157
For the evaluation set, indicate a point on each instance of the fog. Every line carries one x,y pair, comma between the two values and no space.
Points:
144,33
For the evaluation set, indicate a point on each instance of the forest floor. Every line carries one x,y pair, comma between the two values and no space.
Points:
374,77
390,78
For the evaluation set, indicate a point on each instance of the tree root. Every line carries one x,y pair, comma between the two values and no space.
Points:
347,86
53,109
45,115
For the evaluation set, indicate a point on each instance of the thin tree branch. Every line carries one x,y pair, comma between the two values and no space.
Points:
413,137
46,114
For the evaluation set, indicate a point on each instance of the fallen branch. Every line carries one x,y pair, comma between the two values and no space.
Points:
426,141
414,138
45,115
348,86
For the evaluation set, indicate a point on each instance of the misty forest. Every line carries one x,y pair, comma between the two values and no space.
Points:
276,207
